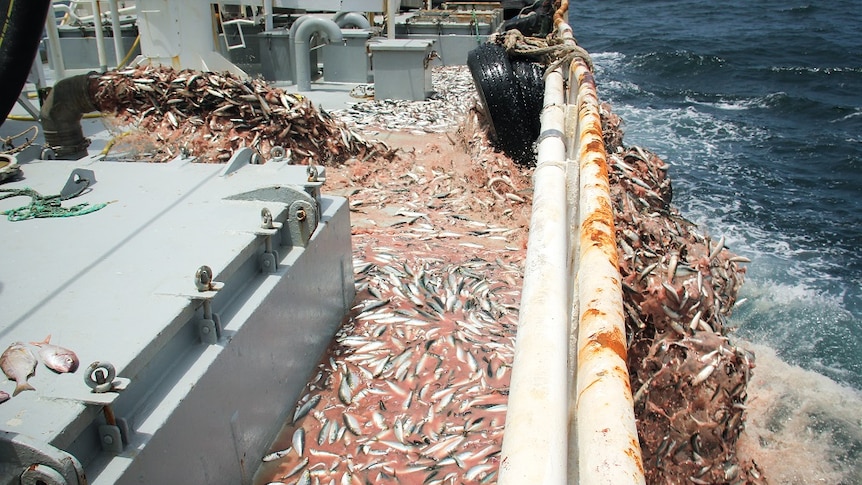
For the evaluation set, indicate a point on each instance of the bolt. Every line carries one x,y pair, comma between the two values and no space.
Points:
205,330
300,215
108,439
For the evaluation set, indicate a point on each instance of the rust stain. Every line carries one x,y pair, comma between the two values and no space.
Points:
593,313
596,146
624,376
634,452
613,340
588,78
560,14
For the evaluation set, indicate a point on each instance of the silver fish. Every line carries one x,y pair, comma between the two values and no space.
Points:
56,358
19,363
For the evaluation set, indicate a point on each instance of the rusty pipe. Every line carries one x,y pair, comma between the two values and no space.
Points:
61,114
607,440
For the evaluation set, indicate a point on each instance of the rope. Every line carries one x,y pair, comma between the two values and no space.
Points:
9,147
551,51
41,206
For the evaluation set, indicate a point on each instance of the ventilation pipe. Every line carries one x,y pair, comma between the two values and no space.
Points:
61,116
355,20
302,49
291,44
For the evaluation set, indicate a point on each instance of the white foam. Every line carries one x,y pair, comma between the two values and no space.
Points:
801,428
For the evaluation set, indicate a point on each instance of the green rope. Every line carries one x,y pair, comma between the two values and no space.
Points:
44,206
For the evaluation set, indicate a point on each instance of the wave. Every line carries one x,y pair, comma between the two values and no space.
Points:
803,323
816,70
788,403
681,63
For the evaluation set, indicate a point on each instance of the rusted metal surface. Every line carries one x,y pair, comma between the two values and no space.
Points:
607,442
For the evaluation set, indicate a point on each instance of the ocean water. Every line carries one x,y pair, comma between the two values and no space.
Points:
757,107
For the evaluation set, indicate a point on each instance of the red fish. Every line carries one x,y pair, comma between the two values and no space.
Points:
57,358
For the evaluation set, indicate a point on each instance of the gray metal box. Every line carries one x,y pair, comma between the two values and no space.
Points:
275,61
401,68
453,48
248,56
79,48
348,62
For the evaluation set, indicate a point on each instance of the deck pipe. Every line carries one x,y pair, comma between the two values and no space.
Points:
356,20
117,31
535,440
607,440
61,114
300,33
571,423
100,36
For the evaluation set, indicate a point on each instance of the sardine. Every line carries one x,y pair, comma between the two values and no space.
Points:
19,363
56,358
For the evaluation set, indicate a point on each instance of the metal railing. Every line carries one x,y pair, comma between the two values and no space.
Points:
571,415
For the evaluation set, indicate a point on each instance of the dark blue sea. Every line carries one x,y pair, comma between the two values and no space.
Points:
757,107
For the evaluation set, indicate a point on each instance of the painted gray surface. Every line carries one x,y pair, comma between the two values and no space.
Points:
400,70
115,285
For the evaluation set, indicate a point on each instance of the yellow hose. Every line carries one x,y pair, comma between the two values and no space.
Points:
30,118
129,54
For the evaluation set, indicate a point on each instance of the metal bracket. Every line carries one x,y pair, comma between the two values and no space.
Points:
303,207
32,462
268,227
74,183
302,219
209,327
100,377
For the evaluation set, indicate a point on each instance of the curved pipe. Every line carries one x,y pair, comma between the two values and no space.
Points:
61,116
291,44
21,24
303,34
355,20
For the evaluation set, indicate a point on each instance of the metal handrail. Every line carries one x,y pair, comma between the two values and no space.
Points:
571,415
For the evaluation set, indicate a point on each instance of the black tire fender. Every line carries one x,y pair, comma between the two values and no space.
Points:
508,94
21,26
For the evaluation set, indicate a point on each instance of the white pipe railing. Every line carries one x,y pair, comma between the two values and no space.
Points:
571,415
54,46
117,31
100,36
534,449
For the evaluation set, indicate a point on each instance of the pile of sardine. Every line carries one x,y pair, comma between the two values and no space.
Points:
454,94
414,389
210,115
679,285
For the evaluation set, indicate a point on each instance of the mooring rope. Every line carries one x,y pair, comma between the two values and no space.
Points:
9,147
552,51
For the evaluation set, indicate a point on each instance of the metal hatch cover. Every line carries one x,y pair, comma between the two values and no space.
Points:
118,285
